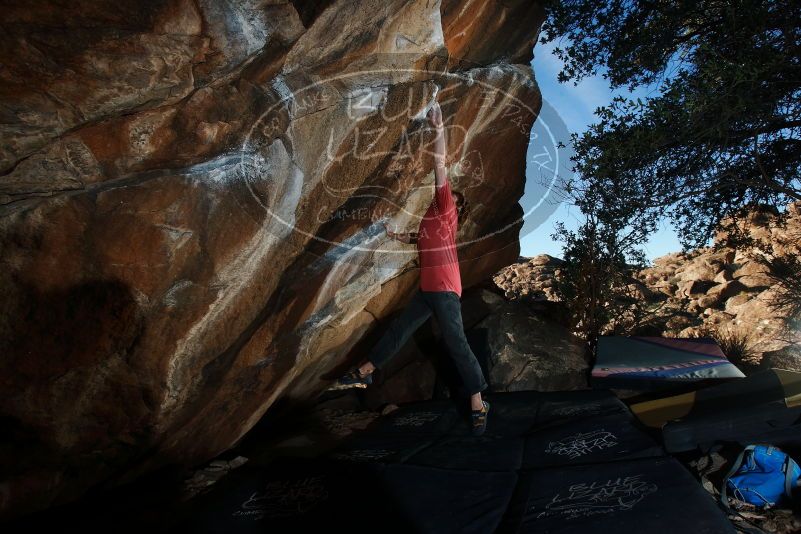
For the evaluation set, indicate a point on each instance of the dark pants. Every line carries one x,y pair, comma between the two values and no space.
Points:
447,309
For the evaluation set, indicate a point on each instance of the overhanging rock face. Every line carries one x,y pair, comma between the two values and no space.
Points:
191,195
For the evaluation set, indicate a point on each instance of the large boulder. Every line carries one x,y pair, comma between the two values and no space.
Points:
191,195
700,269
694,288
529,352
529,279
720,293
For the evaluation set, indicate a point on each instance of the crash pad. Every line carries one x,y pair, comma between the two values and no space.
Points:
763,407
602,439
554,462
512,413
478,453
381,448
440,501
645,495
295,495
772,386
645,363
437,417
562,407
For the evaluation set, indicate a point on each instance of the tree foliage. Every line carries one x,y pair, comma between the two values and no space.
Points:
723,132
597,282
717,135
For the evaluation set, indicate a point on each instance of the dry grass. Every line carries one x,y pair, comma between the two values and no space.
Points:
736,343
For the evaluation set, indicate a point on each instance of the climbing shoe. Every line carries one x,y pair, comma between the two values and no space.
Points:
352,379
480,419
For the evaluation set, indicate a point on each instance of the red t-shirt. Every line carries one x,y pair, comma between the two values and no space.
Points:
436,244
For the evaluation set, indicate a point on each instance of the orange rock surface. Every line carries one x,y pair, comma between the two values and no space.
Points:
190,205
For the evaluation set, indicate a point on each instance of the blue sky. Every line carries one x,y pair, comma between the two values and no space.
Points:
575,106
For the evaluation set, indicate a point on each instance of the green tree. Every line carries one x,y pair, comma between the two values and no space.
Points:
724,131
722,134
597,283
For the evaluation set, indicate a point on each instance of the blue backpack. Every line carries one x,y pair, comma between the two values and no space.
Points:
762,475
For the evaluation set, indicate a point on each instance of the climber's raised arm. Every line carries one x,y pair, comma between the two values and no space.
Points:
435,118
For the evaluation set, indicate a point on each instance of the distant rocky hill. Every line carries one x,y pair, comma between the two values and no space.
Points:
717,291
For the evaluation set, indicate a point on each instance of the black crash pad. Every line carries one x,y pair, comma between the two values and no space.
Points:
418,469
296,495
773,423
562,407
590,440
480,453
430,418
512,413
442,500
382,448
646,495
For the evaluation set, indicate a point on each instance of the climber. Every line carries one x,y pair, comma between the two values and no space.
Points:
440,289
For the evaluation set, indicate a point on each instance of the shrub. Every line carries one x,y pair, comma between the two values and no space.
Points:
736,343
